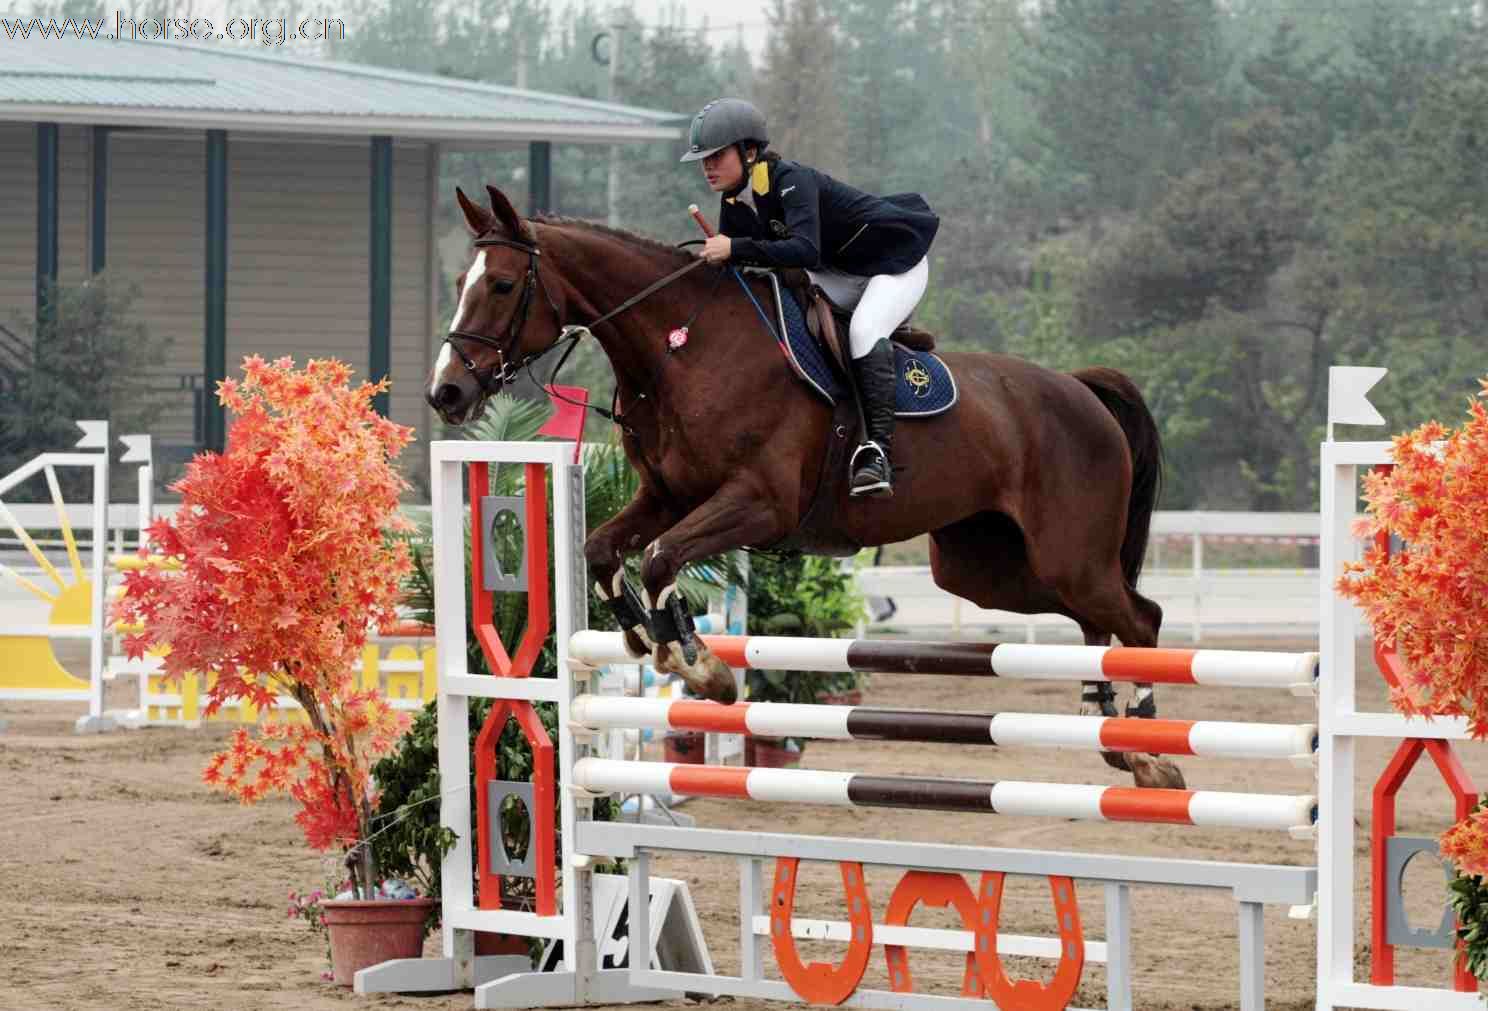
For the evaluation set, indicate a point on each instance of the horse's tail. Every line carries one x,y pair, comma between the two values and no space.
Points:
1124,401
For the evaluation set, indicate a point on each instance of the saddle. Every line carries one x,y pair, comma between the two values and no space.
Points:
827,321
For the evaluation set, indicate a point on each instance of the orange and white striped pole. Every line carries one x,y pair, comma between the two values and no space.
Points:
1202,738
1205,808
1031,662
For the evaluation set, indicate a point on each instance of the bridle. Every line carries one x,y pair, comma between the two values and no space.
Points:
506,369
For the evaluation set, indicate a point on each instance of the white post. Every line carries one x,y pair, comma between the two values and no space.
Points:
95,436
139,451
751,883
571,614
612,185
1198,588
98,576
1252,957
639,919
1335,956
447,499
1118,947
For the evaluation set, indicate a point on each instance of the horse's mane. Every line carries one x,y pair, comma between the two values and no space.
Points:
629,238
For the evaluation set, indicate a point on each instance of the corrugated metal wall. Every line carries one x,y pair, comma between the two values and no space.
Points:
299,221
18,214
156,239
17,220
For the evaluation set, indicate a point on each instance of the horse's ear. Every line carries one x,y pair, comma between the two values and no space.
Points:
505,212
477,218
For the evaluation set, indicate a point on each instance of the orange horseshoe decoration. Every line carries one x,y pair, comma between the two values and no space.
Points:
819,982
1029,994
938,890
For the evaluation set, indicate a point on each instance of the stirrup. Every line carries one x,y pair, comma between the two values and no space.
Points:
882,487
867,446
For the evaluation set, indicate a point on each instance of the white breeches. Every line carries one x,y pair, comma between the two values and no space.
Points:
879,303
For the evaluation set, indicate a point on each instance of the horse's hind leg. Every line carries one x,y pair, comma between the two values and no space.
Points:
1136,621
984,559
1098,698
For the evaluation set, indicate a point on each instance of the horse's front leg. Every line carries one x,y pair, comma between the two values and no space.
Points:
735,516
605,550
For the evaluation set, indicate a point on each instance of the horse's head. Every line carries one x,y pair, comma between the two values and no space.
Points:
503,312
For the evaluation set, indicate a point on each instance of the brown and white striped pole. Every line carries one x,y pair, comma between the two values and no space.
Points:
1207,808
1033,662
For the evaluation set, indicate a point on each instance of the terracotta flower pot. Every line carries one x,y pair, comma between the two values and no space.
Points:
686,747
769,753
368,931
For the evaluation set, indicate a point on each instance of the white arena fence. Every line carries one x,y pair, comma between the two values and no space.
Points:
1196,598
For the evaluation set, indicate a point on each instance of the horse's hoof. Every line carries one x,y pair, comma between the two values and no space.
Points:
635,645
1116,760
708,676
1155,772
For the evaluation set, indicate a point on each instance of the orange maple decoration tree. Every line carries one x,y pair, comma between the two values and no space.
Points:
1431,599
288,550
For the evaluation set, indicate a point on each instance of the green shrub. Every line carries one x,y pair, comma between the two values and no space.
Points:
806,596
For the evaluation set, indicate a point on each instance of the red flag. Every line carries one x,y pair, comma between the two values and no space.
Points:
568,417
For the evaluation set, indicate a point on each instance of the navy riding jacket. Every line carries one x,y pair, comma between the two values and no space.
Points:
805,218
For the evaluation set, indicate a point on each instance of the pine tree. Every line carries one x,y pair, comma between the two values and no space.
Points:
1125,91
800,96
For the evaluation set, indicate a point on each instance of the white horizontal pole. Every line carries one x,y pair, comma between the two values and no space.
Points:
507,921
486,686
1394,725
1402,998
46,632
930,938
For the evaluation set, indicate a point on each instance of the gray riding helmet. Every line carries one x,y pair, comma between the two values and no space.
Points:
723,122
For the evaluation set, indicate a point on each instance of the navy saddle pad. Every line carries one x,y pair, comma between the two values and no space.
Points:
925,387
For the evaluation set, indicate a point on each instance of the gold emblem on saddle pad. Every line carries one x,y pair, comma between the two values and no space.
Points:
917,376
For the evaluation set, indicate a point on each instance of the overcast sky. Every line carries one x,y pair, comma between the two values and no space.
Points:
723,18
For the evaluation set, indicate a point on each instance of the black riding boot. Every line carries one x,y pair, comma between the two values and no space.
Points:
872,473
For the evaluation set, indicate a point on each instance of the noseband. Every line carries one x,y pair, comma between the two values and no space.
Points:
506,369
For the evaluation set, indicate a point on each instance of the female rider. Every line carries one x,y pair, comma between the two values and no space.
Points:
868,253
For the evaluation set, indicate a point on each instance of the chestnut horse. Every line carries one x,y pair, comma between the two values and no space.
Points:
1036,488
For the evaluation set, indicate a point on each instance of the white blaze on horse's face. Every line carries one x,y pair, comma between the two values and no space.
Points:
446,353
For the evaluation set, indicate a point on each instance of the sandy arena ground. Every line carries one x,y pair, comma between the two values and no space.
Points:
128,885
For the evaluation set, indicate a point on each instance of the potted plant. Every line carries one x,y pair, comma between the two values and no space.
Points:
1430,600
289,547
798,595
